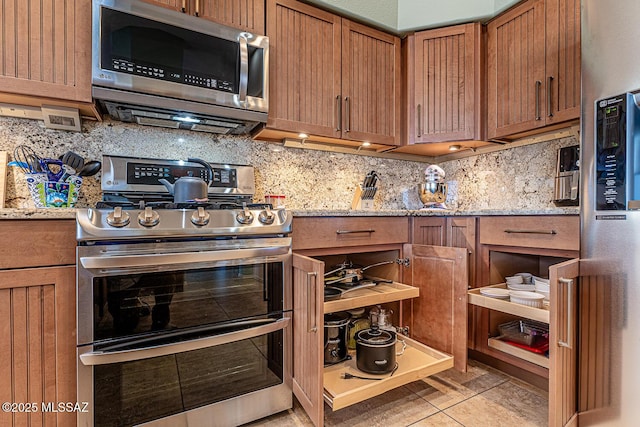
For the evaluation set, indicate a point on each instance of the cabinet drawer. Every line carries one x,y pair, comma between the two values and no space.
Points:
333,232
37,243
417,361
546,232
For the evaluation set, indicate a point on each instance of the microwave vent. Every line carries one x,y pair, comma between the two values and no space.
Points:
149,121
210,129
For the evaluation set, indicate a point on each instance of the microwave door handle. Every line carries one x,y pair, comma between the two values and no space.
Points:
103,358
244,70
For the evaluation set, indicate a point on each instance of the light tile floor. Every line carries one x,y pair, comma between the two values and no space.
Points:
481,397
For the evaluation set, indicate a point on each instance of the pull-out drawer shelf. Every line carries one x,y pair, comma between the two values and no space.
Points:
418,361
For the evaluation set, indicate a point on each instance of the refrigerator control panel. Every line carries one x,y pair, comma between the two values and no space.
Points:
611,153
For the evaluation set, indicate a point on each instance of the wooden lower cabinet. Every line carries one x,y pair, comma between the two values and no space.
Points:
38,336
313,384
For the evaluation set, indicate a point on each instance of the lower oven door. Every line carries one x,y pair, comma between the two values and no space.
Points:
184,334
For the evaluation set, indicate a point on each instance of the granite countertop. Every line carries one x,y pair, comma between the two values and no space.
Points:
11,213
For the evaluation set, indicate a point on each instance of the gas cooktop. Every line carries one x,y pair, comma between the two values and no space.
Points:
136,205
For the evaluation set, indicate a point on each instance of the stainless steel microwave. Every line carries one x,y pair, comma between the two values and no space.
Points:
159,67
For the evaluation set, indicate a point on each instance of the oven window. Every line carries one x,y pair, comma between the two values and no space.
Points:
140,391
185,304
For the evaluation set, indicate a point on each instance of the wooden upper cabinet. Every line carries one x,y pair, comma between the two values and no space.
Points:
443,83
370,84
245,14
515,70
46,49
304,68
330,77
533,67
563,60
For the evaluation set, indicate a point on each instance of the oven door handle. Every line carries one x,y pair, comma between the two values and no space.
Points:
102,358
148,260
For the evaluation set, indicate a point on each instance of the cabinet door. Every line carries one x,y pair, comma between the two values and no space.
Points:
38,335
516,70
439,314
46,49
246,15
563,279
308,329
304,69
370,84
444,84
562,60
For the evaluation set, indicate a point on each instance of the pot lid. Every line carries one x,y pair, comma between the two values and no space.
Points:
339,318
375,336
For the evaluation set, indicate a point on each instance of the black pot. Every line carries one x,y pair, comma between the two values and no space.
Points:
335,337
376,350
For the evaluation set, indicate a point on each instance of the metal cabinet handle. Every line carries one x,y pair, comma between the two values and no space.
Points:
339,113
549,110
568,332
348,113
531,231
262,327
311,302
369,230
419,120
538,84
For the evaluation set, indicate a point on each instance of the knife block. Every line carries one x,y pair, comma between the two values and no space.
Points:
363,198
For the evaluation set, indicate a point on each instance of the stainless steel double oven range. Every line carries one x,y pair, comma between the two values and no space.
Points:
183,310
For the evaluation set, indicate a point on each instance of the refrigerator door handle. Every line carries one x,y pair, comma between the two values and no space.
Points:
569,324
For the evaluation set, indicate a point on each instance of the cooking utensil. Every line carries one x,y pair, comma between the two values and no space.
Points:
349,274
25,167
376,350
190,188
25,155
335,337
331,293
73,160
90,168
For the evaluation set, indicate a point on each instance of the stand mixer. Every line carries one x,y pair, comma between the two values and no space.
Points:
433,192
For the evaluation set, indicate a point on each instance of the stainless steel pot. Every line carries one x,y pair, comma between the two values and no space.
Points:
376,350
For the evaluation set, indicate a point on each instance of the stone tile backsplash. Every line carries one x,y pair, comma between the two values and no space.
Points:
514,178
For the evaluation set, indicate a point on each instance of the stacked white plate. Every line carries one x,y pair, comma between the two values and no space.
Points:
495,293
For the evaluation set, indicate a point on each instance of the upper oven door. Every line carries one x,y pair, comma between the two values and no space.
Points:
134,296
152,50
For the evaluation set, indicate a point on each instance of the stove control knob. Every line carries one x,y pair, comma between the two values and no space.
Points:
118,218
266,216
200,217
245,216
148,217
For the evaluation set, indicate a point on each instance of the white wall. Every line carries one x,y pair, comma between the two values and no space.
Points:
380,13
401,16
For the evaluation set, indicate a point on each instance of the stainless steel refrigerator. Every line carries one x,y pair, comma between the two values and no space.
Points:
609,290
